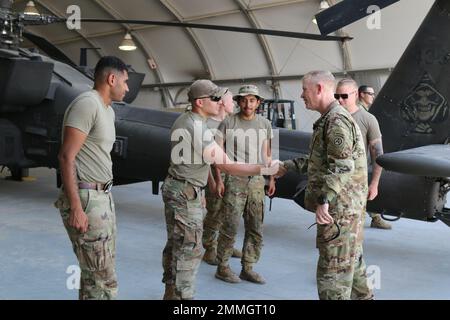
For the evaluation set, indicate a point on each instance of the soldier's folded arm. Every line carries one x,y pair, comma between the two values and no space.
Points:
214,154
339,150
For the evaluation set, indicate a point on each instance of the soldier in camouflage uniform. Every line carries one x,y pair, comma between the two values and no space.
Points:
214,192
336,191
244,196
85,203
193,150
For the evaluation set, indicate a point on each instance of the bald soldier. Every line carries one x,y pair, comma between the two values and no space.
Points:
193,150
336,191
346,93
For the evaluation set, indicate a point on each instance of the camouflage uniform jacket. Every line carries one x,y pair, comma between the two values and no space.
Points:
336,165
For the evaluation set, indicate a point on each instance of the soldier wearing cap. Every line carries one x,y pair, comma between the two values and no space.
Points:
193,150
336,191
247,138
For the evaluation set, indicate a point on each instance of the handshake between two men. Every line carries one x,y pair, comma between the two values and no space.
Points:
278,169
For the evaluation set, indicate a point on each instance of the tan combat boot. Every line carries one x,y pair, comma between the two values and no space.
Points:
226,274
248,274
210,256
170,293
379,223
236,253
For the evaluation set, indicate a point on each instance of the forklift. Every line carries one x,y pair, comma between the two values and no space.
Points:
279,112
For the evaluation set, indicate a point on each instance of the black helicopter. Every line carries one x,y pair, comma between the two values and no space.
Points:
412,109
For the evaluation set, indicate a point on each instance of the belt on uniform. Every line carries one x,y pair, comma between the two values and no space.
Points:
106,187
183,180
174,178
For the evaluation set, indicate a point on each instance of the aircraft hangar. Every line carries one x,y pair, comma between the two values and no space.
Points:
408,262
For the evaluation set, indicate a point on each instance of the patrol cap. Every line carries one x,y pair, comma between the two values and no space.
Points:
204,88
249,89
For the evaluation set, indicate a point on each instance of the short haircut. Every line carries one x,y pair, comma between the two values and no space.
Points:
364,88
325,77
347,82
107,65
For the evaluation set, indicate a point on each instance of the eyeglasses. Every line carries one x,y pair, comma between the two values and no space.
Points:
213,98
369,93
344,96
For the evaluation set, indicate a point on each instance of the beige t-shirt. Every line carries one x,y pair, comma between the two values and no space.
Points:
360,104
243,139
213,124
89,114
189,137
368,126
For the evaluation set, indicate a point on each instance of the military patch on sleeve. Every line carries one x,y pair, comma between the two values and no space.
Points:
338,145
338,141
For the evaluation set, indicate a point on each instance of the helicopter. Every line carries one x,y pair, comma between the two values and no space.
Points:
412,109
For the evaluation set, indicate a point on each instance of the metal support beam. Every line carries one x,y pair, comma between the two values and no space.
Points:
194,39
263,42
345,50
167,100
255,79
191,19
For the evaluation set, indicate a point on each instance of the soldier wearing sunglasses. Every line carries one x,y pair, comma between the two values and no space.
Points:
368,124
366,95
193,151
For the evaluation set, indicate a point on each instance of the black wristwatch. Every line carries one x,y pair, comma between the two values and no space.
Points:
322,200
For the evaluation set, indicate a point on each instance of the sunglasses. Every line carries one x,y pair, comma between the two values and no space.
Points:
213,98
344,96
369,93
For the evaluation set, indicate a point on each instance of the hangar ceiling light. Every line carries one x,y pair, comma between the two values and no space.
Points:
31,10
127,43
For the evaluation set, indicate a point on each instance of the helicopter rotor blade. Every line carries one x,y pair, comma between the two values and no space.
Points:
49,48
269,32
347,12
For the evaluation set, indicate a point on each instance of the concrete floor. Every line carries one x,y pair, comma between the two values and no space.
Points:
413,259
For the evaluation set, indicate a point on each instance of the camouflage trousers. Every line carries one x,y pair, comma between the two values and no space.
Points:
212,221
341,271
95,249
184,222
243,196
